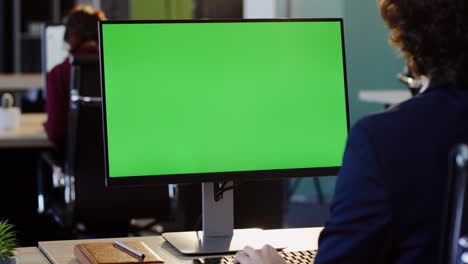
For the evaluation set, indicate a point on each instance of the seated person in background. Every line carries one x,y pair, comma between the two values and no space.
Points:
390,191
82,37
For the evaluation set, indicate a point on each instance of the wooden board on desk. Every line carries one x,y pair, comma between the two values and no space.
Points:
61,252
20,82
30,133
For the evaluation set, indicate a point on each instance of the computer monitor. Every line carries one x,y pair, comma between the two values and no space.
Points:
216,101
53,48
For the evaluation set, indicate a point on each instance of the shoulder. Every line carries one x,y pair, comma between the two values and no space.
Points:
416,113
60,68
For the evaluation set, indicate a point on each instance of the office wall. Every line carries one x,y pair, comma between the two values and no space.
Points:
116,9
161,9
310,8
259,8
218,8
371,62
95,3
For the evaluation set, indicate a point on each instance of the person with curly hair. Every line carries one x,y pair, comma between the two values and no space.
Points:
390,191
82,37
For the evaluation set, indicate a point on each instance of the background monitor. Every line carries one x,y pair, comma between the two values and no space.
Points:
214,101
54,50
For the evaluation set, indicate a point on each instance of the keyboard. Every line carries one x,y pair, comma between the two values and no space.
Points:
291,257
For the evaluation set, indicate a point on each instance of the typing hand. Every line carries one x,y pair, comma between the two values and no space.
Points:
265,255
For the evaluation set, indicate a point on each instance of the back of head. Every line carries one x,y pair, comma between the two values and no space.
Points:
82,20
432,35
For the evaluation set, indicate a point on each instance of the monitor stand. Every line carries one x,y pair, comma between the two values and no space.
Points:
218,235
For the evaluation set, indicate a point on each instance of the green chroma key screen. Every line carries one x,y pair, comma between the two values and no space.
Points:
183,98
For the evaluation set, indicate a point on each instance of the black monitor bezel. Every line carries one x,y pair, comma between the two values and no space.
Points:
218,176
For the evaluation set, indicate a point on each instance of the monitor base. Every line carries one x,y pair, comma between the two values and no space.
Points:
193,242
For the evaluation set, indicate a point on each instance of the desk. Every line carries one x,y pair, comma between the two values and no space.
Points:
61,252
29,134
20,82
386,97
19,152
30,255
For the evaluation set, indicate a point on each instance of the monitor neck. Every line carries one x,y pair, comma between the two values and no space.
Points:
218,216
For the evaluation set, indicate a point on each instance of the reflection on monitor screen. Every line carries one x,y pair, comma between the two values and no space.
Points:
215,101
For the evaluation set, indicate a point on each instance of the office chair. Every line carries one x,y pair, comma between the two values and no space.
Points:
79,184
454,249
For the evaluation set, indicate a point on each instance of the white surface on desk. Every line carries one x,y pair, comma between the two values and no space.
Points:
388,97
20,82
30,133
61,252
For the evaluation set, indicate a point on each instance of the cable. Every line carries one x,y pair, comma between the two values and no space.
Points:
219,189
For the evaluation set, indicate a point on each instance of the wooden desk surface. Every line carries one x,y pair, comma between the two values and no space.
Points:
29,134
387,97
20,82
30,255
61,252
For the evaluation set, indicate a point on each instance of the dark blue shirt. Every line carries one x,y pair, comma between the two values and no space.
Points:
390,190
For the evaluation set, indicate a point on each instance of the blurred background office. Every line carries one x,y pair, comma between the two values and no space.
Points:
371,65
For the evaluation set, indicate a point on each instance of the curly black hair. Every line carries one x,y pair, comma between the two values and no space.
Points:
83,20
432,35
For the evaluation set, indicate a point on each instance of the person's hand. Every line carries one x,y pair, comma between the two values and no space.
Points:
265,255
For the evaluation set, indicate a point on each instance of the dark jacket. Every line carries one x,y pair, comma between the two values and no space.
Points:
390,190
58,98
